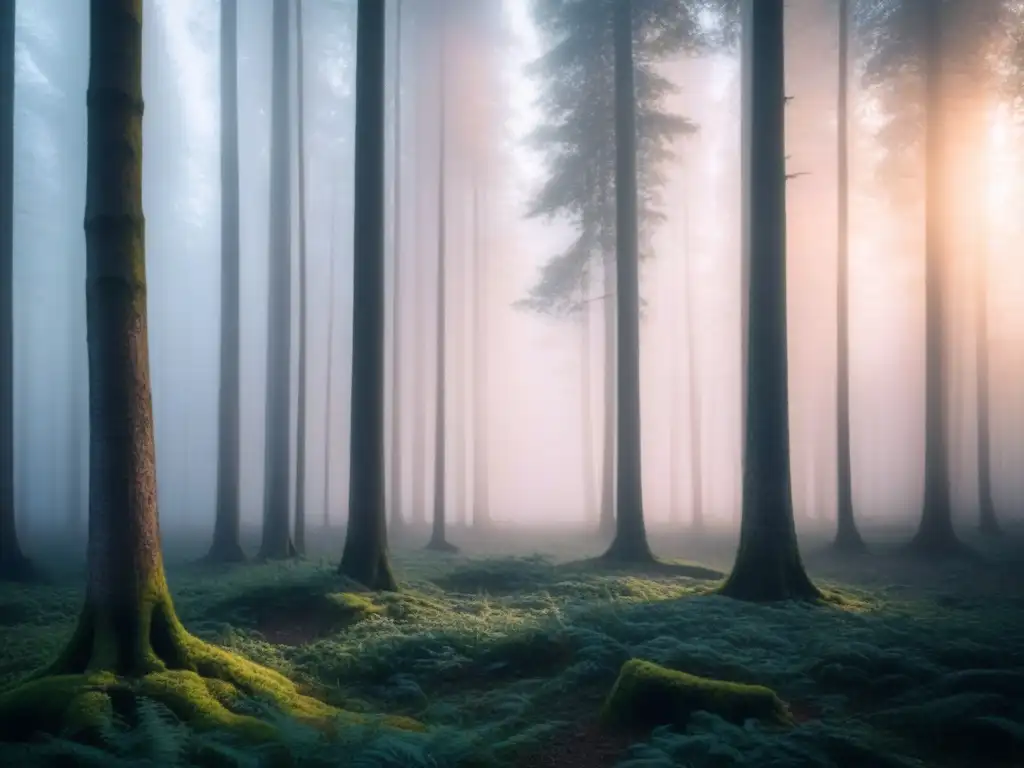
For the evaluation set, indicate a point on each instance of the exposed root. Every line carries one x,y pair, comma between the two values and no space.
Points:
441,545
225,554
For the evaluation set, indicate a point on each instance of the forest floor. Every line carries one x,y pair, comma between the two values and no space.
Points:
508,655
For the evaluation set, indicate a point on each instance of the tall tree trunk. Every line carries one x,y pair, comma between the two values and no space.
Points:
421,408
935,535
988,521
365,558
329,411
673,439
226,545
438,539
848,538
589,475
693,388
13,564
630,542
395,517
277,541
768,564
300,416
481,452
607,523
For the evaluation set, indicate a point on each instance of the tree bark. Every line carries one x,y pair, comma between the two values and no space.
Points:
13,563
365,558
395,518
848,538
935,534
768,564
300,416
438,533
630,542
481,452
226,545
277,543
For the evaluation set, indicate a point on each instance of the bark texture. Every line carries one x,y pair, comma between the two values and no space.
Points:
365,557
768,564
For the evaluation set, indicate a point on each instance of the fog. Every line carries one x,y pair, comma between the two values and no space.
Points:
534,417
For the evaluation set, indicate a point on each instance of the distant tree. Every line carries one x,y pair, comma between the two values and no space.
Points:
848,538
481,475
768,564
438,533
300,416
365,557
693,386
328,410
226,545
395,505
277,542
576,77
13,563
630,542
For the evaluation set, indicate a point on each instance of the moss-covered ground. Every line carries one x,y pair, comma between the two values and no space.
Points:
509,658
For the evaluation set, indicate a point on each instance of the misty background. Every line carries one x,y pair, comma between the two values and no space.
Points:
533,409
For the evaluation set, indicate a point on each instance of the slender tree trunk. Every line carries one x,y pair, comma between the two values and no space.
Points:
935,535
693,388
438,540
589,476
457,357
226,545
329,411
365,558
607,522
673,441
13,564
277,542
395,519
988,521
421,408
300,416
630,542
848,538
481,453
768,564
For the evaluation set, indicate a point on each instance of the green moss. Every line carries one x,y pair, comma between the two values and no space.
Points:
646,695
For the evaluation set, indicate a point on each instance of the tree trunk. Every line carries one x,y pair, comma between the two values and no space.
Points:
481,453
277,542
630,542
13,564
395,518
300,416
226,545
589,476
935,535
421,408
988,521
438,540
848,538
329,411
768,564
693,388
365,558
607,523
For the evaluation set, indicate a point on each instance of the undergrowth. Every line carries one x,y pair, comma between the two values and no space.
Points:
504,659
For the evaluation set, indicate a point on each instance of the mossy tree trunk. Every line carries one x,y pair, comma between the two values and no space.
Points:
935,534
438,532
226,545
13,563
630,542
768,564
365,558
300,415
395,518
481,452
277,541
848,538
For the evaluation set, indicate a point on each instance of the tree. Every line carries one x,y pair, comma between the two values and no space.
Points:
329,412
768,564
277,542
300,416
577,79
693,389
13,563
988,521
630,542
847,536
226,545
395,517
365,557
438,530
481,476
128,642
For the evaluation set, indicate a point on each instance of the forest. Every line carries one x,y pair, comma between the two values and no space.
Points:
527,383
